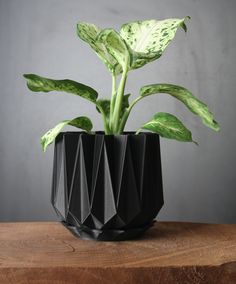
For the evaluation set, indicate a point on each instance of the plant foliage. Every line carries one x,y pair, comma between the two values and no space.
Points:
135,45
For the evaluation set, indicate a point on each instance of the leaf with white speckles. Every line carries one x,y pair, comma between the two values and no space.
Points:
89,33
116,47
168,126
148,39
185,96
41,84
81,122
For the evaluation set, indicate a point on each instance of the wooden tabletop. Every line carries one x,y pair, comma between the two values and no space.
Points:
170,252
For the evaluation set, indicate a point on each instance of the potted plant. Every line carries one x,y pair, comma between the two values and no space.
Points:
107,185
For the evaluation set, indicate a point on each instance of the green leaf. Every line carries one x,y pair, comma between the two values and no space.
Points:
115,46
125,102
40,84
89,33
185,96
82,122
105,105
168,126
148,39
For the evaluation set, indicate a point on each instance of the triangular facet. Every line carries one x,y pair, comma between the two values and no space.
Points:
70,146
88,153
138,150
109,201
79,200
128,209
97,223
57,165
97,200
120,145
60,201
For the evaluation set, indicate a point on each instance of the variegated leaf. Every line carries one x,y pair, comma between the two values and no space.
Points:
105,106
41,84
115,46
82,122
168,126
89,33
185,96
148,39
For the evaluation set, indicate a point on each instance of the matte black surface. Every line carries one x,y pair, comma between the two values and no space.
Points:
107,187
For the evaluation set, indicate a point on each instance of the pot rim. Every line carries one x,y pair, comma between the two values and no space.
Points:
102,133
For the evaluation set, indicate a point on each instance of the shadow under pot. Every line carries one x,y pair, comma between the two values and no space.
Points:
107,187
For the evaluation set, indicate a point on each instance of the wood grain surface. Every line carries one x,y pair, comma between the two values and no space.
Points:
170,252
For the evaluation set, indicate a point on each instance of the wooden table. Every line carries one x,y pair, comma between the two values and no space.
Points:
45,252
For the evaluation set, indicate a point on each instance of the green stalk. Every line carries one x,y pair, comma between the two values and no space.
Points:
113,98
105,124
126,114
118,102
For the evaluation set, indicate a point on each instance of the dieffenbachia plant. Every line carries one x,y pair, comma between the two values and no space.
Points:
136,44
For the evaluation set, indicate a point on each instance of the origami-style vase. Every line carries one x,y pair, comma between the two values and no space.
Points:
107,187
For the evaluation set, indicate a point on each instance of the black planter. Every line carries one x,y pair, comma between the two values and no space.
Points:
107,187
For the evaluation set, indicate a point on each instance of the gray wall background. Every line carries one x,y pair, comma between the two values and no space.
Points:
39,37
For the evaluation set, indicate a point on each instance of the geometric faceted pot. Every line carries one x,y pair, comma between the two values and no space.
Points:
107,187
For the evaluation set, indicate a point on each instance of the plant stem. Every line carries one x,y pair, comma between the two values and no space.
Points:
126,114
105,124
118,102
113,98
